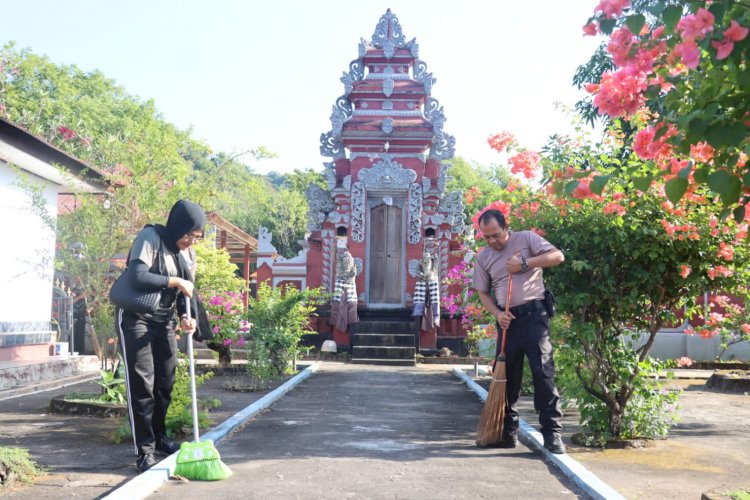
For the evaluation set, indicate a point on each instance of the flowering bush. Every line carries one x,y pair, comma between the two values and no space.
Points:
729,319
677,72
226,316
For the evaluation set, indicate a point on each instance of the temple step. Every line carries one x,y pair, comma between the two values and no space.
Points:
380,352
382,327
386,362
382,339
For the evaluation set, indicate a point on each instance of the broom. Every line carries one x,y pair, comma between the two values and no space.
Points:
490,428
198,460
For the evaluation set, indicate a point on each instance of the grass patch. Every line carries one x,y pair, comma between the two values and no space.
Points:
738,495
16,466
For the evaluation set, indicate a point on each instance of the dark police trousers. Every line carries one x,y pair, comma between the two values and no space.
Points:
150,354
528,335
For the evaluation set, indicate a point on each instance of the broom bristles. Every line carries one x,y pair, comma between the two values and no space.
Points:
490,428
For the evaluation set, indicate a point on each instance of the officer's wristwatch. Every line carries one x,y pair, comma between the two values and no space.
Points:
524,264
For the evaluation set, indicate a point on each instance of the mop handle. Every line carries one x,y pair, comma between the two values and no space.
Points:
507,308
193,397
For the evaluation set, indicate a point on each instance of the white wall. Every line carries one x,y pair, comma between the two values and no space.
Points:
27,250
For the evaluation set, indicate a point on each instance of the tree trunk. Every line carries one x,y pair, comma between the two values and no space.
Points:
614,420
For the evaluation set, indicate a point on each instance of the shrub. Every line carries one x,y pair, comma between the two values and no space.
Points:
279,319
16,465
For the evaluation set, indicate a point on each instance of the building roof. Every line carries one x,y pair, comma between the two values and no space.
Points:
236,239
35,155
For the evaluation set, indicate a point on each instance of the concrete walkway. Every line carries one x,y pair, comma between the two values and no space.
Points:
359,431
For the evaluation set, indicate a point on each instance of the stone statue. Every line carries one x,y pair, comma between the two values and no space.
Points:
428,268
345,268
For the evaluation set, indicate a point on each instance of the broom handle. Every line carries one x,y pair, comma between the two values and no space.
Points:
193,397
507,308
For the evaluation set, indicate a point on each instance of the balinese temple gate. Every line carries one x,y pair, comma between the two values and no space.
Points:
385,204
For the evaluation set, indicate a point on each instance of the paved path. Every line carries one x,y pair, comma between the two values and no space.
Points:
359,431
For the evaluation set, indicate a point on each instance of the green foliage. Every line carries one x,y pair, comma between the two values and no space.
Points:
112,383
279,318
179,414
215,274
480,184
16,465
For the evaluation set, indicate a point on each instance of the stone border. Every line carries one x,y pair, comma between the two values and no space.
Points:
147,483
579,474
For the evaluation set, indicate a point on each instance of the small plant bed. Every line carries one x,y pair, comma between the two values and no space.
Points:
730,380
87,404
340,356
720,365
453,360
614,444
16,466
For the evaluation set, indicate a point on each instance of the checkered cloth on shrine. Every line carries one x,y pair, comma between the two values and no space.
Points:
427,292
340,287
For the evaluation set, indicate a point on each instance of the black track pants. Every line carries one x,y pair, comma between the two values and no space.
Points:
150,355
528,335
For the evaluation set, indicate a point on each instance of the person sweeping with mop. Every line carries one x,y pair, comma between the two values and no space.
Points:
523,319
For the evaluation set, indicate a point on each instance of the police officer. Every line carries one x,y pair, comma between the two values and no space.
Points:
523,254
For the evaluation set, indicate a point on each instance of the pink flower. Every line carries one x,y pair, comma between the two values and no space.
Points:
216,330
689,53
723,48
694,25
611,8
525,162
726,252
500,141
621,93
591,29
227,342
685,361
735,32
66,133
685,271
745,327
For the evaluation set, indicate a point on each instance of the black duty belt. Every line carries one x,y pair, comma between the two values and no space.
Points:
526,308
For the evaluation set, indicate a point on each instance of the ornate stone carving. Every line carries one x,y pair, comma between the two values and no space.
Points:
444,246
422,76
358,212
388,34
387,174
387,126
342,111
426,184
329,174
443,177
388,87
338,218
356,74
319,204
359,265
347,182
415,214
428,267
330,145
363,46
443,146
327,256
452,209
388,105
413,47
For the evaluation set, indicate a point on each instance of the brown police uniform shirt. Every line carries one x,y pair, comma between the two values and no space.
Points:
490,273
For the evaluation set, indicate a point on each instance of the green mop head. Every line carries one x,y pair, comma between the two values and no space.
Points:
201,461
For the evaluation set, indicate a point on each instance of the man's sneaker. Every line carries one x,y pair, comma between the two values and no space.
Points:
167,445
554,444
145,462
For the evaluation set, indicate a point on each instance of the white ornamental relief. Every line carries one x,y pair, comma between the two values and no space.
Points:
415,213
358,212
387,174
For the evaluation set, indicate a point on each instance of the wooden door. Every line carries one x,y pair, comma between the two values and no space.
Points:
386,240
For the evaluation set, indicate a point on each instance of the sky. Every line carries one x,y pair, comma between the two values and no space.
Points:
241,74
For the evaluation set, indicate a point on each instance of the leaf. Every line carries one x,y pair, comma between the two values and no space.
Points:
642,183
727,185
675,188
671,16
743,78
720,136
739,214
607,25
570,186
635,23
656,9
599,183
701,175
717,9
